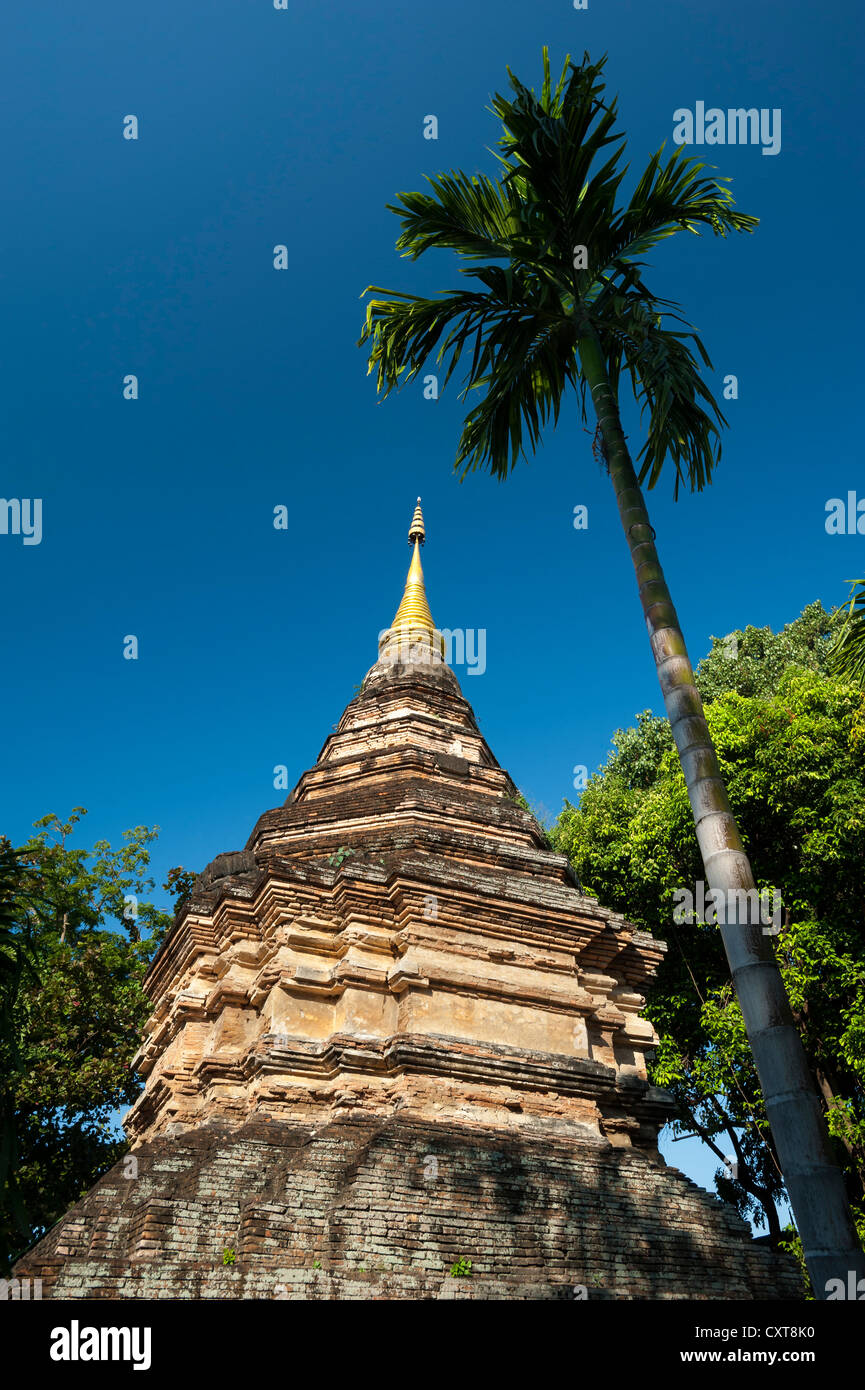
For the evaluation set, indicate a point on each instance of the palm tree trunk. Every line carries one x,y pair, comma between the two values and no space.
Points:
815,1184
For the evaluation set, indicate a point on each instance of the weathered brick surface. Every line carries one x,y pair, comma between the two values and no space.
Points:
398,934
385,1209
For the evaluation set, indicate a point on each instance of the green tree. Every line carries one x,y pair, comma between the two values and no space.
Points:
76,938
16,963
561,300
791,743
753,660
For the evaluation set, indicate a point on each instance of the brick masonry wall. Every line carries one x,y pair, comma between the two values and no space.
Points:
365,1208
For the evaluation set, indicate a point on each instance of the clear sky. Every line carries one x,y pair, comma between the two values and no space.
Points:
260,127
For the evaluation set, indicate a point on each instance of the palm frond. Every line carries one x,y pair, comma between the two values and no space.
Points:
846,657
663,363
535,363
674,197
522,356
404,331
470,214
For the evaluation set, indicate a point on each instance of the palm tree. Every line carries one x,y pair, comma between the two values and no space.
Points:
847,653
560,299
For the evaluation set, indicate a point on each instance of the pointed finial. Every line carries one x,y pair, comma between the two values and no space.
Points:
416,531
413,630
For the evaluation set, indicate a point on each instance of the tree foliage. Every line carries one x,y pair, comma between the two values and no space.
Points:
791,743
76,937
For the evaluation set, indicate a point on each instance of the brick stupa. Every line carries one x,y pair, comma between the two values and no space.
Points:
391,1034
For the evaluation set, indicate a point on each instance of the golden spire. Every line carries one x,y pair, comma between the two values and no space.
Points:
416,531
413,612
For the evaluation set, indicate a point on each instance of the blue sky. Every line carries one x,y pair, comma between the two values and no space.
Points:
155,257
